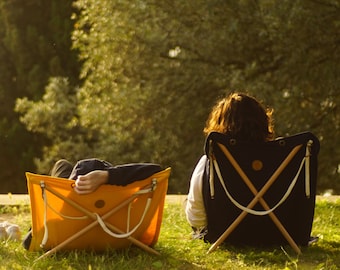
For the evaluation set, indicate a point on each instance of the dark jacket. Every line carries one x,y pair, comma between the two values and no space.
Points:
118,175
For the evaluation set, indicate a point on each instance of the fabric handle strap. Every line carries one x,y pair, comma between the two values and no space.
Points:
128,233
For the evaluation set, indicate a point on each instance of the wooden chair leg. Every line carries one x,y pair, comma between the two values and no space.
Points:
258,197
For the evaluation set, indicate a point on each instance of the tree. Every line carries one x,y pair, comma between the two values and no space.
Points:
304,42
55,116
35,44
183,55
153,69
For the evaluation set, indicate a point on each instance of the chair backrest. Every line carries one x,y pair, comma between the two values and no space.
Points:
52,212
287,170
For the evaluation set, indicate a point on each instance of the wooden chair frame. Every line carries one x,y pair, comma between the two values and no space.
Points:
258,197
96,223
292,153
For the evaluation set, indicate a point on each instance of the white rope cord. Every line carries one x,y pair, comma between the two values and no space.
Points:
64,216
128,233
211,178
143,191
100,221
251,211
307,168
128,218
44,240
211,171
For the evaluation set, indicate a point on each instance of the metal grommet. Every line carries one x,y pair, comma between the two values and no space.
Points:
73,185
257,165
99,204
282,142
232,142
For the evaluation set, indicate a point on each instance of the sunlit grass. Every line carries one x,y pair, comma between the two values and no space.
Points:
180,252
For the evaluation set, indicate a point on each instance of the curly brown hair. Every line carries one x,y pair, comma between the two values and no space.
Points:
243,117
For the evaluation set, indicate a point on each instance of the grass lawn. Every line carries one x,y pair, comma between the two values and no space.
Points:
178,251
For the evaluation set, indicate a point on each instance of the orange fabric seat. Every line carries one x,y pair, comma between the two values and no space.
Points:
112,216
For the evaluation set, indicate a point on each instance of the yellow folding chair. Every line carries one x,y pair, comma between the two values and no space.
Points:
261,194
111,217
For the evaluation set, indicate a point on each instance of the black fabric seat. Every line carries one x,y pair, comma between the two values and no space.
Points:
287,170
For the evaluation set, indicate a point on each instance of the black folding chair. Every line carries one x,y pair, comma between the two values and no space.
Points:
260,194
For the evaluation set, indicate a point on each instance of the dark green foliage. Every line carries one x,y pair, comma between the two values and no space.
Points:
35,44
164,63
153,69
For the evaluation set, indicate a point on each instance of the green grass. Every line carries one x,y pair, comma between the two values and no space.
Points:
178,251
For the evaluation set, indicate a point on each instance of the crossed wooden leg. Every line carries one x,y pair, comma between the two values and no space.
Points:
258,197
95,223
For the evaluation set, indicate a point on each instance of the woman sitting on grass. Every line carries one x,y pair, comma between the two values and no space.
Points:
242,117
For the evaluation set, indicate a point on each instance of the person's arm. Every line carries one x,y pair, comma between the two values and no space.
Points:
125,174
118,175
195,211
91,181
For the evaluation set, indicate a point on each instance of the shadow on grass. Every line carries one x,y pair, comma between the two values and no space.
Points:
173,258
130,258
187,254
321,255
179,251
